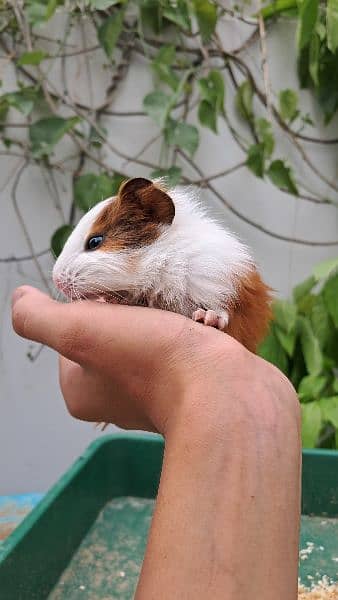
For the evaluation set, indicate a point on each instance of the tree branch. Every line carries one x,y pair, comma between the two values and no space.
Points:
246,219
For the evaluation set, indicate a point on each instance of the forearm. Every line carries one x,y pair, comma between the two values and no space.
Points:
227,515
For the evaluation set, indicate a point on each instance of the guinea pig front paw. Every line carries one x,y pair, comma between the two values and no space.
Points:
211,318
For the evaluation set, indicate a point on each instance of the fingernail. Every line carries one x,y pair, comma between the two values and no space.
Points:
18,293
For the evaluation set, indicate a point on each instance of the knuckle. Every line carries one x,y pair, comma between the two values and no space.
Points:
19,320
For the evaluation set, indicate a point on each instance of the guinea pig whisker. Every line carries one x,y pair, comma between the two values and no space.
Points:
104,288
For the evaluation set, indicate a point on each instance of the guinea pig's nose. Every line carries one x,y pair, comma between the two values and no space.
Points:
62,283
57,280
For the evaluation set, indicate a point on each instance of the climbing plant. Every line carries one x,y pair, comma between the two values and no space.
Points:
193,70
303,343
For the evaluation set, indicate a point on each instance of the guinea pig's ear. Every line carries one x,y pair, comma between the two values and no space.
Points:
152,200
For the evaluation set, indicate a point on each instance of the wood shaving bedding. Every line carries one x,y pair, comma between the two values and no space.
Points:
321,591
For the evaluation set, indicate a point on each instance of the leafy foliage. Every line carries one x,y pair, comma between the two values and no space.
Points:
212,99
59,239
92,188
206,14
282,177
46,133
32,58
302,342
109,32
288,105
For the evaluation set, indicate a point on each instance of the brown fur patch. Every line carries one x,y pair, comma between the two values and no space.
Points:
135,217
250,314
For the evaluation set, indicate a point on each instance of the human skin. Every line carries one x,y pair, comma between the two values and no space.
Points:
226,521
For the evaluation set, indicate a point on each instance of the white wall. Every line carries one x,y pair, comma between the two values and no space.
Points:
38,439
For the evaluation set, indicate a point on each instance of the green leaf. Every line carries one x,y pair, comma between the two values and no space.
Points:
206,15
314,58
320,321
303,288
3,111
282,177
182,135
32,58
285,315
272,351
264,132
311,386
325,269
256,159
286,340
332,24
40,11
171,176
276,7
103,4
59,239
179,14
288,104
212,99
161,65
308,14
305,305
23,100
329,408
330,294
44,134
151,12
310,345
89,189
298,367
216,83
25,106
165,56
303,60
212,90
244,100
311,423
157,105
109,32
207,115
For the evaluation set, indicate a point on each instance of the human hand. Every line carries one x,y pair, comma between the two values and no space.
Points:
142,368
125,365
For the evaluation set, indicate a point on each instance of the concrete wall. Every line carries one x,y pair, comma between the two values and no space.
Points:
38,439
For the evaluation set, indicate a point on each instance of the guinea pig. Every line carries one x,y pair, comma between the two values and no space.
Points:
156,247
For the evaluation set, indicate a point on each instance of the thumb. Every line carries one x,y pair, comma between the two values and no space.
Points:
33,313
35,316
100,335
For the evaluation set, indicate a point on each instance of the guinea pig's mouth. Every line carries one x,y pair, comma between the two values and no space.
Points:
120,297
74,293
116,297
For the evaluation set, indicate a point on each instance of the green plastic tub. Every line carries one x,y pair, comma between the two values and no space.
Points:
86,538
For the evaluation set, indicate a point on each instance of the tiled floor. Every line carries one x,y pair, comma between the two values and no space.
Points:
13,509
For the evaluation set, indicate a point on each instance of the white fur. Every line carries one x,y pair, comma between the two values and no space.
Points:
194,262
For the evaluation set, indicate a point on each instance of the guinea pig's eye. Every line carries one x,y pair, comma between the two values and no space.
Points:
94,242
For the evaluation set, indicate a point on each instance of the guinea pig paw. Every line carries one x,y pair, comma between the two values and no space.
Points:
211,318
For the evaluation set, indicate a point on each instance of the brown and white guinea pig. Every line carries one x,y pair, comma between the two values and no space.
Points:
159,248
